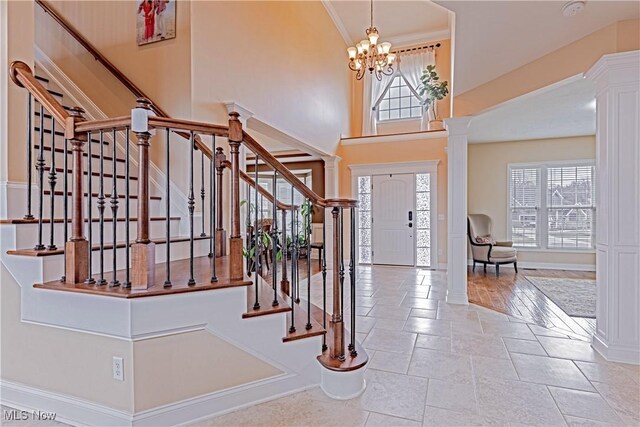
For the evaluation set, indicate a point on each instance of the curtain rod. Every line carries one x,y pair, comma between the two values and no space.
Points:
431,46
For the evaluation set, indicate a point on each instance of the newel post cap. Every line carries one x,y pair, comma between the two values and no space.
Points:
140,116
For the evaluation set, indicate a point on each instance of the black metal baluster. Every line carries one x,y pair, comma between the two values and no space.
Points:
29,215
352,276
127,282
52,186
297,276
274,240
65,200
261,234
191,205
341,271
101,207
40,168
248,235
167,282
202,193
114,209
286,287
90,280
256,281
324,278
292,328
308,234
211,199
213,195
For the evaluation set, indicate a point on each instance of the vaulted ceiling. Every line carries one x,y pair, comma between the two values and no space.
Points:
399,22
495,37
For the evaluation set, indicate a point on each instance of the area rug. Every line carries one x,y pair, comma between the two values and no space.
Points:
576,297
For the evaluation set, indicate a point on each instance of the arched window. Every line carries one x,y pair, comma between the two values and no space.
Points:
399,101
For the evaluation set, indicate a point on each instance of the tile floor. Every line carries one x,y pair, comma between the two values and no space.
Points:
436,364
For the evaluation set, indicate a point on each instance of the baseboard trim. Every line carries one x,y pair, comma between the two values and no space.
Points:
76,411
614,353
544,266
68,409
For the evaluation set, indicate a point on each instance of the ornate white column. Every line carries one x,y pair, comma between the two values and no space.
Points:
458,128
331,190
617,79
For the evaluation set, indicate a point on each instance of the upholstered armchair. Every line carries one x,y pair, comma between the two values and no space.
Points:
484,248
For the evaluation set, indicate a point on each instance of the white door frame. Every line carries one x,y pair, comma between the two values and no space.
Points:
424,166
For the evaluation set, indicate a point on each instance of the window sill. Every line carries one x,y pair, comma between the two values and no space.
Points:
405,120
555,250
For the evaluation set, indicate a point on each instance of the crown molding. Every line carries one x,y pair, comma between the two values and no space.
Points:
407,40
338,22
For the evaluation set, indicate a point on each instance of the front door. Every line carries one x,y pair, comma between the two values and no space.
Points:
393,219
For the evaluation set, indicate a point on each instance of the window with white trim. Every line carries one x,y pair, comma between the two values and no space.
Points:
552,206
399,102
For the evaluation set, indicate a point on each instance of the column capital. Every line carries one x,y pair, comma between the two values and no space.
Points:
331,161
615,68
245,114
458,125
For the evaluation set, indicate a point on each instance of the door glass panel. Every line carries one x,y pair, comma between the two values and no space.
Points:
423,219
364,219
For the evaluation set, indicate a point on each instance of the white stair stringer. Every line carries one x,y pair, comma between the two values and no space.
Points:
217,311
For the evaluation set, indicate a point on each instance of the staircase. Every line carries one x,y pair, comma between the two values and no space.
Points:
97,232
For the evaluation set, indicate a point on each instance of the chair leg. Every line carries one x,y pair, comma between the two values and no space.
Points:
497,270
474,266
515,265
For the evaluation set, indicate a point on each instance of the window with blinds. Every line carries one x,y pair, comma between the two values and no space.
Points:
571,207
552,206
524,190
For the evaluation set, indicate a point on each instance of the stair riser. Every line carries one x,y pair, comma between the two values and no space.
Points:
179,250
156,207
95,164
27,235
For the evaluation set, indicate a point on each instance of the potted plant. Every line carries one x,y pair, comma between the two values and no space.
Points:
435,91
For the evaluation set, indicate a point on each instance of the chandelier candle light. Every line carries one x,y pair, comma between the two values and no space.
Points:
371,55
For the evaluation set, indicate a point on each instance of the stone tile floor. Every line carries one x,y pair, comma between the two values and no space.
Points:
432,363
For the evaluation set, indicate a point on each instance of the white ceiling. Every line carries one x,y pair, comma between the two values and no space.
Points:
495,37
564,109
399,22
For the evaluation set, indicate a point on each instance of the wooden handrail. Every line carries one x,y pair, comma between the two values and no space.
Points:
289,176
22,76
98,56
246,178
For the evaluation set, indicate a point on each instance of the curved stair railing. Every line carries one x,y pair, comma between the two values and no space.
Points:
340,352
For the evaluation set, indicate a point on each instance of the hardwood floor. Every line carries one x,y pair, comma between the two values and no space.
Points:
514,295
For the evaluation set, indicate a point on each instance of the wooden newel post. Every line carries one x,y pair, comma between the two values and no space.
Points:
235,241
336,346
143,257
221,235
77,248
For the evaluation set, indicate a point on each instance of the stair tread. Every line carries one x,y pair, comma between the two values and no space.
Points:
93,155
60,133
179,278
61,220
265,299
108,246
106,195
300,317
106,175
349,364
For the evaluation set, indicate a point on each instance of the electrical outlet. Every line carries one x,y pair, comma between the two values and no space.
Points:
118,368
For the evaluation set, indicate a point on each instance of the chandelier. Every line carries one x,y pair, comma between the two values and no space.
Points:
370,55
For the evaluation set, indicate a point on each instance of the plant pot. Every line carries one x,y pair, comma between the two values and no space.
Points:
435,125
